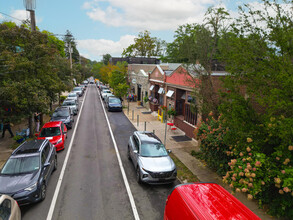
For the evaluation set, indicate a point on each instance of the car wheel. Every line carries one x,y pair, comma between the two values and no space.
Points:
128,153
138,179
43,191
55,164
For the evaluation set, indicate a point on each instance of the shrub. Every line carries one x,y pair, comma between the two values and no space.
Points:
214,151
62,98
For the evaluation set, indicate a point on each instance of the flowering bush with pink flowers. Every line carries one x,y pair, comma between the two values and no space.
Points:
259,163
214,151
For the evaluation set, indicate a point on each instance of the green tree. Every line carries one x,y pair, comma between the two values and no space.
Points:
106,58
258,53
183,48
145,46
29,70
117,79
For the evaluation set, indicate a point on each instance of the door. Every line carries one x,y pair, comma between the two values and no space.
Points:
47,170
136,147
138,92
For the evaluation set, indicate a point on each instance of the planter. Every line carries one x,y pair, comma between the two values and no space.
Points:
20,140
154,107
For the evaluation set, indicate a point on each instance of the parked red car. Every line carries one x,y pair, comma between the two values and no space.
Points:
55,132
205,201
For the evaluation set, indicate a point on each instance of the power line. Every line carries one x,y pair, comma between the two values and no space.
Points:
10,16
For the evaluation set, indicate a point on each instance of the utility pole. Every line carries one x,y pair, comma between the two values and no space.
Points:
30,5
70,54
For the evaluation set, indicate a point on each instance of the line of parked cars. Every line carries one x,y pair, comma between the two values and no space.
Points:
25,175
112,102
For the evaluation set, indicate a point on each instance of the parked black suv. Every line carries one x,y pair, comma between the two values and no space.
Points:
63,114
25,174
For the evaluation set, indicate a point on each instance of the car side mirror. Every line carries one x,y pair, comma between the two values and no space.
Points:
47,164
169,151
37,134
135,151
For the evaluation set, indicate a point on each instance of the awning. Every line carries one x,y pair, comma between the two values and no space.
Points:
161,90
152,87
169,93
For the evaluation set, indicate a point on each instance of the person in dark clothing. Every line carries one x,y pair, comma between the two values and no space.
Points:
6,126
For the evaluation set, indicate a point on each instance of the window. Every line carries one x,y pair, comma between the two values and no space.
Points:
153,150
50,132
136,142
21,165
45,153
62,127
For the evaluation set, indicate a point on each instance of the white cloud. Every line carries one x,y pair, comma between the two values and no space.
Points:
94,49
19,14
147,14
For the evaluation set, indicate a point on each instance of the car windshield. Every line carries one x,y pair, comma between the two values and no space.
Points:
68,103
153,150
72,95
50,132
21,165
61,114
76,89
114,101
106,91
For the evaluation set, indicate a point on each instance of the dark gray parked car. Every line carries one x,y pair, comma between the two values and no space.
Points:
26,173
113,104
65,115
150,158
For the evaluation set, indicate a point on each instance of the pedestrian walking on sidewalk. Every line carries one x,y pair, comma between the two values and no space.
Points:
7,126
37,122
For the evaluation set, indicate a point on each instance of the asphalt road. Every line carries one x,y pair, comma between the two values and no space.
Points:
93,187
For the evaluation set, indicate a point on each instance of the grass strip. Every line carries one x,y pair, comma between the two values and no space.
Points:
183,173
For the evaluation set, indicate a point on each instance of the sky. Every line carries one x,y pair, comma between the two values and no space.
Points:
107,26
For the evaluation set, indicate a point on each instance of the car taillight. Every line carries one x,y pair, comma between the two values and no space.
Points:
16,203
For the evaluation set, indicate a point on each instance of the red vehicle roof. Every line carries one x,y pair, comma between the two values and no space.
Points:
52,124
212,201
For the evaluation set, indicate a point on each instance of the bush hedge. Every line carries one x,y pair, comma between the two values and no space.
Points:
247,165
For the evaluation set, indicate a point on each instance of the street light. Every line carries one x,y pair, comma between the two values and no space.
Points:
30,6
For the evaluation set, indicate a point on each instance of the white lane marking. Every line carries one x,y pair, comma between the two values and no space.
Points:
132,202
56,193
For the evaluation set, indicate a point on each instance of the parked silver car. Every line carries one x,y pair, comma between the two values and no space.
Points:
78,91
72,95
150,158
72,104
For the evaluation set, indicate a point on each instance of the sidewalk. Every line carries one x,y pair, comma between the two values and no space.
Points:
182,151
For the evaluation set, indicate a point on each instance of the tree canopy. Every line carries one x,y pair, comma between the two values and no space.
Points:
145,46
